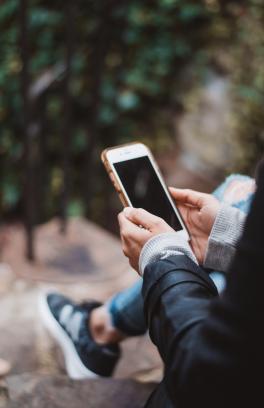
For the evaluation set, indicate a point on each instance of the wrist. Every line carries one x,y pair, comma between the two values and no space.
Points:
163,245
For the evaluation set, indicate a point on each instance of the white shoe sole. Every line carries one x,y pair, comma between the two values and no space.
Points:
74,366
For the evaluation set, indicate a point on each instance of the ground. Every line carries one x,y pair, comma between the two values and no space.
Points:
85,263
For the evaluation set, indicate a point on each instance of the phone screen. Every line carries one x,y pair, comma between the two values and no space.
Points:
145,190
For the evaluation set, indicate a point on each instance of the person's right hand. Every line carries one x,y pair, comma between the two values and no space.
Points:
198,211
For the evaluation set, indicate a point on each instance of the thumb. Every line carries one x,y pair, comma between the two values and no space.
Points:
187,196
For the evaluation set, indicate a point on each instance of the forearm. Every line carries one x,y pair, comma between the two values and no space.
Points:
212,348
207,343
177,296
176,293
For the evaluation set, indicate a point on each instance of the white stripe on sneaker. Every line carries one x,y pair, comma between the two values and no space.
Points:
65,313
73,325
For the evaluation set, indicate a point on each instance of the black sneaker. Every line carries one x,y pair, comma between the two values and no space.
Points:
67,322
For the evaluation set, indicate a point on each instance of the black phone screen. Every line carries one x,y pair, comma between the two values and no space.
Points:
145,190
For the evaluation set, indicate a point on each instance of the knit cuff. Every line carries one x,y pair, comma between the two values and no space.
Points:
162,246
226,231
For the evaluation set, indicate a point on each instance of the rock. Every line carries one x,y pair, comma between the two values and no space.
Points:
6,278
87,253
42,391
140,360
21,340
4,396
5,367
26,344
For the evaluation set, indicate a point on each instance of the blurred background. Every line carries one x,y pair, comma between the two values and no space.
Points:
185,77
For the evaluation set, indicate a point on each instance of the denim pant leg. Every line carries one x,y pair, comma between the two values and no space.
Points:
126,309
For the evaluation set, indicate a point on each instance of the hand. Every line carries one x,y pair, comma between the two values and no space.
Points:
198,211
137,226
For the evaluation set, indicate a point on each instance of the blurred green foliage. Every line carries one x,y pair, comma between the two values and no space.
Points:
248,81
131,65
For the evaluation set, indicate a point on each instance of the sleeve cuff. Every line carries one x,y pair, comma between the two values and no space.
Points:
226,231
162,246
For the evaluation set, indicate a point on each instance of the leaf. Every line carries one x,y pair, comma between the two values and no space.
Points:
7,9
11,194
75,208
190,12
128,100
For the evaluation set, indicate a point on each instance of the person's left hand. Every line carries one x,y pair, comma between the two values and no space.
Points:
137,226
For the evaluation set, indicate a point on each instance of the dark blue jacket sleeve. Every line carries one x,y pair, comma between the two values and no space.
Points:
212,347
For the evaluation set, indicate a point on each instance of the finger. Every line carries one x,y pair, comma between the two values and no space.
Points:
129,229
141,217
187,196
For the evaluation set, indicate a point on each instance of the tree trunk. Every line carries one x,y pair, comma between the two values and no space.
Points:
29,191
67,113
97,61
43,178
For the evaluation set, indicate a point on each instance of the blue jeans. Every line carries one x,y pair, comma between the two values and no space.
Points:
126,307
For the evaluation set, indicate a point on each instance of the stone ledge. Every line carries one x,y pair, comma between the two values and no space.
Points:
43,391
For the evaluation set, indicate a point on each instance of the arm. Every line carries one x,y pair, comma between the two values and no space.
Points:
212,348
176,295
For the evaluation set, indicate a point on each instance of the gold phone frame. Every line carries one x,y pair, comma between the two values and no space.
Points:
111,174
118,187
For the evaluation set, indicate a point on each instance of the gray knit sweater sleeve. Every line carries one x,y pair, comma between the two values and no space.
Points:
162,246
226,231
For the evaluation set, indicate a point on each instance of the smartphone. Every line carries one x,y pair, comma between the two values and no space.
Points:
138,181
